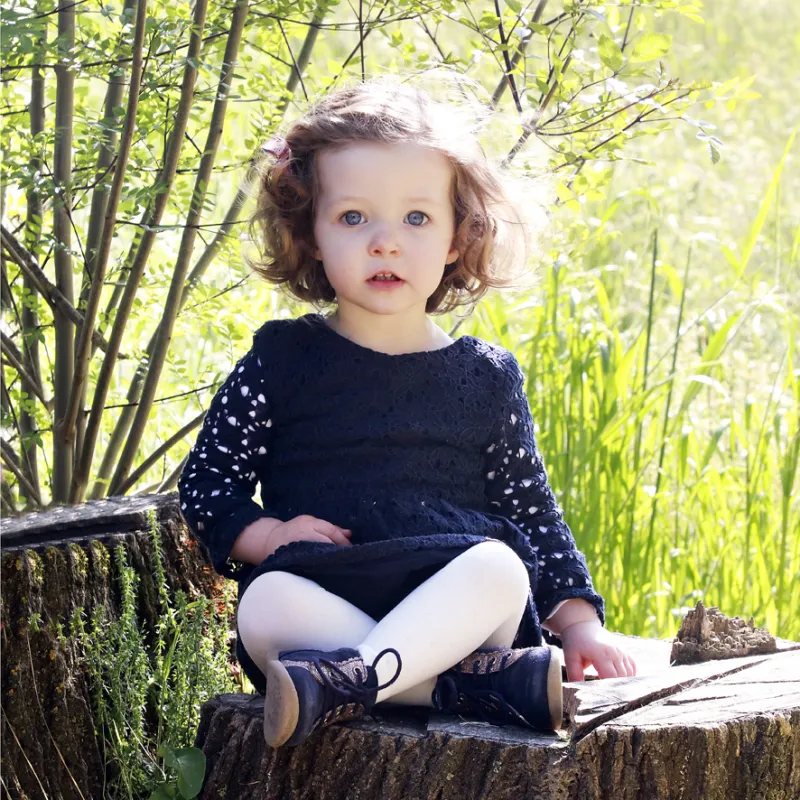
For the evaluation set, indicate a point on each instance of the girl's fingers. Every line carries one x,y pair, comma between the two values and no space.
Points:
323,526
607,669
315,536
574,666
630,664
333,532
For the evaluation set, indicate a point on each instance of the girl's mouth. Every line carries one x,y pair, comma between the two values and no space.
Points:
385,280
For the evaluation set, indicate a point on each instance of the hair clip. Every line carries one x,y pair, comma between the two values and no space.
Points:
278,147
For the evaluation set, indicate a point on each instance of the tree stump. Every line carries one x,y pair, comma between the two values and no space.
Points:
53,564
724,730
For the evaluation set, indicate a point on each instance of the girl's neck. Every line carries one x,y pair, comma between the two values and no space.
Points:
389,333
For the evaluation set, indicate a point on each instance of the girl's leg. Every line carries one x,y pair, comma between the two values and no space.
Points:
476,600
280,611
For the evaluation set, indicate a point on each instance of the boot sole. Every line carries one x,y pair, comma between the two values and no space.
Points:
281,705
555,692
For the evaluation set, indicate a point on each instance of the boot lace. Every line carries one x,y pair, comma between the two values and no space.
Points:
451,696
345,697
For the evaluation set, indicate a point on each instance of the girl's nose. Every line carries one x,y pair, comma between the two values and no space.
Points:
383,243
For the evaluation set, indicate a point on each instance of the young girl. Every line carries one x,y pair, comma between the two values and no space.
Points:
408,544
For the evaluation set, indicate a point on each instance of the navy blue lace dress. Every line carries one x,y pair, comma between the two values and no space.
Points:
421,455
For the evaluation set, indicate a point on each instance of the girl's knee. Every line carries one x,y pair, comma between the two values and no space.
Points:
498,565
267,591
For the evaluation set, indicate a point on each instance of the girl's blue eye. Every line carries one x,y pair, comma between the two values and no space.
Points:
348,217
417,215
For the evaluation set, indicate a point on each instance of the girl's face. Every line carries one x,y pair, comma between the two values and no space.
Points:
384,209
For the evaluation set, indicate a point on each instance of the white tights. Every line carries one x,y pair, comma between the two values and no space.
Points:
476,600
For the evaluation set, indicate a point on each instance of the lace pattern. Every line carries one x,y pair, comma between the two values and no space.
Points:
517,487
391,446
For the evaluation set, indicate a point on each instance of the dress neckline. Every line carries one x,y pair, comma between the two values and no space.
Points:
319,321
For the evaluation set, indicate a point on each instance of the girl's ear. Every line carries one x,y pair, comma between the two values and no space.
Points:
452,256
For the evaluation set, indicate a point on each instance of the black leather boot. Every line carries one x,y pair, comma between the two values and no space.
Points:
308,689
502,686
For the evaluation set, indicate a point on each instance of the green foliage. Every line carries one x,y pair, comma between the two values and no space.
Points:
665,395
677,483
189,765
147,687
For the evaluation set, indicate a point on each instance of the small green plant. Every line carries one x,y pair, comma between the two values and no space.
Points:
189,767
148,686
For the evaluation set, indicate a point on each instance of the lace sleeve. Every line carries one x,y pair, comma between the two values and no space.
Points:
219,478
516,485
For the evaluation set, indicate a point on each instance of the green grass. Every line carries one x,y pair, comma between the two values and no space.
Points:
676,485
664,384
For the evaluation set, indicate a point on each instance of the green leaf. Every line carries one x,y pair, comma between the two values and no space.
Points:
191,770
168,754
164,791
610,54
651,47
709,360
488,21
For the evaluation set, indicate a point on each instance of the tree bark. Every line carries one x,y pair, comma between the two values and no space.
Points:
723,731
54,564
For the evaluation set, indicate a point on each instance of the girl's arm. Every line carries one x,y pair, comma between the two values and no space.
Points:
517,487
219,479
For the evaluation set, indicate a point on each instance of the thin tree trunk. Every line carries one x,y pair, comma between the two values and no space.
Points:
100,488
193,219
165,179
105,159
33,229
65,331
83,354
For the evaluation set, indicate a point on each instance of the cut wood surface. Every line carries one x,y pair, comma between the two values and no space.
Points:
771,682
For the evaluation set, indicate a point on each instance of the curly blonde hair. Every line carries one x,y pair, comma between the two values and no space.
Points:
488,225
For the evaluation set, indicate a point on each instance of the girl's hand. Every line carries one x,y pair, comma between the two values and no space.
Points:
588,642
263,537
306,528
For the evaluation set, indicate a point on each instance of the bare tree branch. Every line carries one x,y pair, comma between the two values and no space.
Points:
15,359
171,481
51,294
82,353
164,448
503,42
497,95
12,462
165,179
